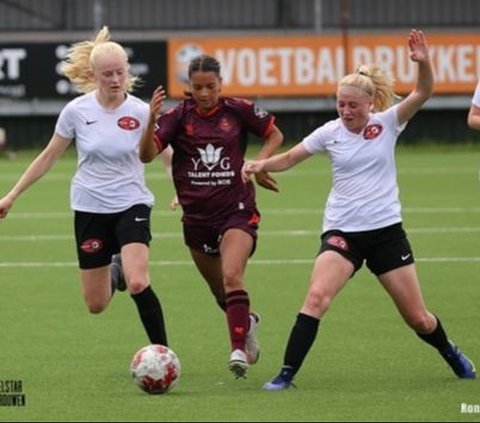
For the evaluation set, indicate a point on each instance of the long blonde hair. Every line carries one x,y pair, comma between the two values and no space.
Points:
374,82
82,57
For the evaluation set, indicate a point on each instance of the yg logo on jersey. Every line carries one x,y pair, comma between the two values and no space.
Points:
210,156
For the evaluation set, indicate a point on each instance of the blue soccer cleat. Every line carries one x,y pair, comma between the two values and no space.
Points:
281,382
459,362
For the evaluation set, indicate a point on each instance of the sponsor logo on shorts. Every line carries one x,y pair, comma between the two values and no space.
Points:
254,220
338,241
91,246
209,250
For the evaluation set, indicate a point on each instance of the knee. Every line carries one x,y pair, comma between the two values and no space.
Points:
317,302
232,280
422,323
96,306
136,286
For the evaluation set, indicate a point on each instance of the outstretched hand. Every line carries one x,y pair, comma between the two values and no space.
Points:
266,181
174,203
263,178
157,101
5,205
248,168
418,46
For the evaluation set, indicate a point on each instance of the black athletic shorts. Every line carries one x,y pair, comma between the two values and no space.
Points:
99,236
383,249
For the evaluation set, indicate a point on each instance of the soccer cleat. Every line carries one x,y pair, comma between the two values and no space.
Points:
238,364
281,382
459,362
252,347
117,276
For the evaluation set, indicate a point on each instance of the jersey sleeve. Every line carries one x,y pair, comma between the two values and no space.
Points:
65,126
256,119
476,96
315,142
390,117
167,126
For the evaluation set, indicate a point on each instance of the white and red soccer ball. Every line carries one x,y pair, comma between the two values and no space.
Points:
155,369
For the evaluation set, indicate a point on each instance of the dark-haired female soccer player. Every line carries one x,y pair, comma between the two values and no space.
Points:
220,219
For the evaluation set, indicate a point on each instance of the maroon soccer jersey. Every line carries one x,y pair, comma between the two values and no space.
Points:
209,154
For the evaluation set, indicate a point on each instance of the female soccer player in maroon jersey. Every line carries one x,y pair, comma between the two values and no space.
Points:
207,133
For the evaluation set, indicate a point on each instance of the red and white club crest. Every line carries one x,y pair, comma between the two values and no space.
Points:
338,241
128,123
189,129
372,131
91,245
225,125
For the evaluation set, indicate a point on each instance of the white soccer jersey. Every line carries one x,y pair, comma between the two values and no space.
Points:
364,193
476,95
110,176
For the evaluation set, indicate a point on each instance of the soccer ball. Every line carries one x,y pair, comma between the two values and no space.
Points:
155,369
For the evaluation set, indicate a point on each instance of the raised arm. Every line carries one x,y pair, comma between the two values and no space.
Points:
39,167
424,86
473,119
148,149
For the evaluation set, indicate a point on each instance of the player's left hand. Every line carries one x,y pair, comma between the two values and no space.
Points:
266,181
174,203
418,46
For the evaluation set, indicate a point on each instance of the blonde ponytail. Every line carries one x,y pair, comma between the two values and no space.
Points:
375,82
82,58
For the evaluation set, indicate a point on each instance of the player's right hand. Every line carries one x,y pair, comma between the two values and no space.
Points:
157,100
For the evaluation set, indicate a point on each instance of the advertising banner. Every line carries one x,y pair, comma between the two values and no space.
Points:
312,65
32,71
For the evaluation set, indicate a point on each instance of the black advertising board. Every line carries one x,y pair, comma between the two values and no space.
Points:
32,71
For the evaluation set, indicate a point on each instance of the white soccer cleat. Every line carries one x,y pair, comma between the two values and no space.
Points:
238,364
252,346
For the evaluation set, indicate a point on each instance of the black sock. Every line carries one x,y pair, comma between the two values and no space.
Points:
302,336
438,338
151,315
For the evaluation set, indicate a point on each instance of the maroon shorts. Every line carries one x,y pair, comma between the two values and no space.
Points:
207,238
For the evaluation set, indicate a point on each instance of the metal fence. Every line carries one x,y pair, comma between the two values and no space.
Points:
30,122
236,15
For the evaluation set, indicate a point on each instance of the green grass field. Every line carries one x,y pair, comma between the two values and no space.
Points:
365,366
